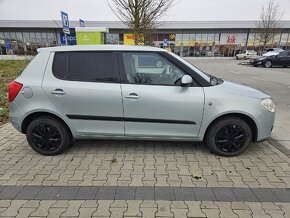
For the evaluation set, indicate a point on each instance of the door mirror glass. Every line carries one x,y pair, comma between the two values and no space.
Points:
186,80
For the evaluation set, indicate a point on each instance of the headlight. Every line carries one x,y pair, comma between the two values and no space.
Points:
268,104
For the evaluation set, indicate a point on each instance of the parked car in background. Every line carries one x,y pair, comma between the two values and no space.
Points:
247,54
150,61
277,50
104,92
280,59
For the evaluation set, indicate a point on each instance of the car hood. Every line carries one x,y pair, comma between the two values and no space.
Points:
242,90
270,53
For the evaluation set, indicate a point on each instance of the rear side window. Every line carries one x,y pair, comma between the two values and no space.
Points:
84,66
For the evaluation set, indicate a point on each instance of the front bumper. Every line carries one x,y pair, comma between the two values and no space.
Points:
256,62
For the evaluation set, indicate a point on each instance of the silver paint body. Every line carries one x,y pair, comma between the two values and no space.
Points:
201,105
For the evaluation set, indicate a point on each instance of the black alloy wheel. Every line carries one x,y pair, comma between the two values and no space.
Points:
48,135
229,136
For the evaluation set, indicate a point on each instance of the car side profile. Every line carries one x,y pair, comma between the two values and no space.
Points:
104,92
248,54
280,59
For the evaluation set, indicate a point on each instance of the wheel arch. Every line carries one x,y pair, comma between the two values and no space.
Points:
244,117
29,118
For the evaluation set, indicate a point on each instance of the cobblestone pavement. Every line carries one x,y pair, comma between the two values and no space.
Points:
117,208
262,172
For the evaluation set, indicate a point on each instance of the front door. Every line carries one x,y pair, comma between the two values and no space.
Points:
154,104
84,86
283,58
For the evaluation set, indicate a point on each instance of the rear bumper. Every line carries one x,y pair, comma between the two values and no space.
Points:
15,115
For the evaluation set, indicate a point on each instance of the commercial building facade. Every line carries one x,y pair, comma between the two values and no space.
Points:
208,38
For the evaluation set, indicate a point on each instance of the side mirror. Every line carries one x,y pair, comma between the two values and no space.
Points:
186,81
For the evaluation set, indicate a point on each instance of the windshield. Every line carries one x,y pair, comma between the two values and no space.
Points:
205,76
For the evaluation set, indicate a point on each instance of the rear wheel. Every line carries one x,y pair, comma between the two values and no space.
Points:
229,136
48,136
268,64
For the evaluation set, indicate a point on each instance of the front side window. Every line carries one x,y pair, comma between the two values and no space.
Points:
84,66
150,69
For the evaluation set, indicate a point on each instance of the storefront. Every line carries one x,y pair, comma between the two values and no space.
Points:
184,38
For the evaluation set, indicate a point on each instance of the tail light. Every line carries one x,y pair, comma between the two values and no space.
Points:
14,88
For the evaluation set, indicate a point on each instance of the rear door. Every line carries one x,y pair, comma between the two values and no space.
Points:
85,87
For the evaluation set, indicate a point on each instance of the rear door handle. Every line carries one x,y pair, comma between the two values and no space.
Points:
132,96
58,92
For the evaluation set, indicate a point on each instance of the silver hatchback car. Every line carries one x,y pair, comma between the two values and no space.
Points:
130,92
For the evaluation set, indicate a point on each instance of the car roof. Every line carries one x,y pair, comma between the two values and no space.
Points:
100,48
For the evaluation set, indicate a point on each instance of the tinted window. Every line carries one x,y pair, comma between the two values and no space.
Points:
150,68
84,66
59,67
283,54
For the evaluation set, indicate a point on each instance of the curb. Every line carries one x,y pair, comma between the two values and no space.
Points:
279,146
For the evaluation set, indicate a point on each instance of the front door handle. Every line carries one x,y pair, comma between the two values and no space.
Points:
58,92
132,96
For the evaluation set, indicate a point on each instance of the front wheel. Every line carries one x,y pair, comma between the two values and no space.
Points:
48,136
229,136
268,64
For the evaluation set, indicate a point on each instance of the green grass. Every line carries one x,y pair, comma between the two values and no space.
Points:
9,70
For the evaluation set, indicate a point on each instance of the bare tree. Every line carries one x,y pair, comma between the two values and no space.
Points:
140,15
270,22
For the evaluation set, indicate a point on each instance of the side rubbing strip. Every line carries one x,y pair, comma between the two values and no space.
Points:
128,119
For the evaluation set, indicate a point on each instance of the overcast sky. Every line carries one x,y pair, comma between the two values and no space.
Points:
98,10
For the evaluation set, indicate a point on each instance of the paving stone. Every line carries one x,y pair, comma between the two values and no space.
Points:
67,193
106,193
164,193
48,193
125,193
282,194
204,194
28,193
86,193
244,194
144,193
265,195
184,194
224,194
10,192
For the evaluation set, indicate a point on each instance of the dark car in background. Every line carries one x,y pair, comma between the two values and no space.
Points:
280,59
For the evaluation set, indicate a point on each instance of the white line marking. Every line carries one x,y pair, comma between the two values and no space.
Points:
235,72
255,77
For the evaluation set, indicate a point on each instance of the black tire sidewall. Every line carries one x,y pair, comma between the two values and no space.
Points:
58,125
210,138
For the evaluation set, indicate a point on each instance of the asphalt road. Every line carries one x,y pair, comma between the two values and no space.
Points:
274,81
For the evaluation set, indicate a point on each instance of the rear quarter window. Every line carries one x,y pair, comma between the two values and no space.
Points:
84,66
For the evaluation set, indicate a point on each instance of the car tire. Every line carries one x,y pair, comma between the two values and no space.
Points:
255,65
268,64
237,57
221,142
48,136
158,63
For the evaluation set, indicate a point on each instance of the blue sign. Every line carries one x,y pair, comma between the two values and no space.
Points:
82,23
65,22
8,45
71,39
165,41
